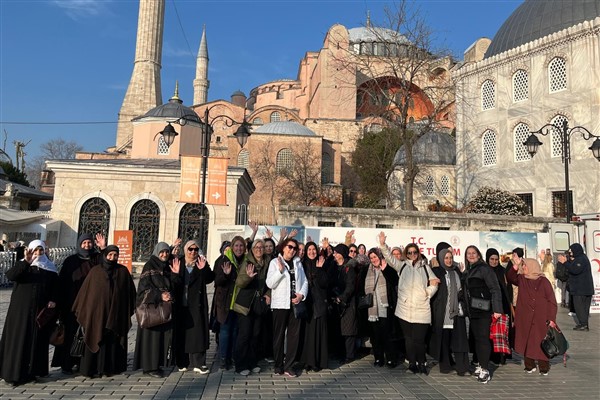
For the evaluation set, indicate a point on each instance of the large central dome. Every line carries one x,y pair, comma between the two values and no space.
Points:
535,19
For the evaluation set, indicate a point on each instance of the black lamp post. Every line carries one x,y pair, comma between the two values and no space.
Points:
533,143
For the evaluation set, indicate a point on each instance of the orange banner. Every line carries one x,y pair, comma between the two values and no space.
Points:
189,184
124,241
216,181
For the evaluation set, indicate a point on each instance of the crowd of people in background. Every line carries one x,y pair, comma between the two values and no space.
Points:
297,306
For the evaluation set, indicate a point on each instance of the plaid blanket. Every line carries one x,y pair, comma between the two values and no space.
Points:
499,334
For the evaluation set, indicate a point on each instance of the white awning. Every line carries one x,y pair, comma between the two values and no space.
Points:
16,217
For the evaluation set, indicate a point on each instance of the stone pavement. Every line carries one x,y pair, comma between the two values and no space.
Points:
358,380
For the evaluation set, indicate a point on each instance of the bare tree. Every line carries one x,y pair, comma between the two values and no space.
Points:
55,149
265,172
303,177
403,81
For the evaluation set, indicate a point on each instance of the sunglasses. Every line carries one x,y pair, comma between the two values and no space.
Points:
289,246
352,251
193,249
412,253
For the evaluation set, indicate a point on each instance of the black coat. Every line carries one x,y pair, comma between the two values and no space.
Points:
481,282
318,283
391,281
24,347
343,281
191,333
460,342
581,282
224,289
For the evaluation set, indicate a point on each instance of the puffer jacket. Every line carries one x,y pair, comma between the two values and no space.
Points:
280,284
414,291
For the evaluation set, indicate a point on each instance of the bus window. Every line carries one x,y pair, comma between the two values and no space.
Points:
561,241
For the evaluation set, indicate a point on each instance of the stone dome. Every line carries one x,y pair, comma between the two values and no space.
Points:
535,19
433,148
172,110
285,128
375,34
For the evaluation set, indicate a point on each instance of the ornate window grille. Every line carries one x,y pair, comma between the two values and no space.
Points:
144,221
94,217
193,224
557,74
559,204
521,133
275,116
489,148
243,159
488,95
445,186
557,143
326,168
285,160
163,149
520,86
528,200
257,121
429,186
242,215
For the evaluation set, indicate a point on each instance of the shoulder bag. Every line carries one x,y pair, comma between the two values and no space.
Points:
554,343
150,315
78,343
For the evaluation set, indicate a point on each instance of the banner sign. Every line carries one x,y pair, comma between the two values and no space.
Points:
216,181
124,241
189,184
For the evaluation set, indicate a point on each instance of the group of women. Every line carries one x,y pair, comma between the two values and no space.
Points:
295,305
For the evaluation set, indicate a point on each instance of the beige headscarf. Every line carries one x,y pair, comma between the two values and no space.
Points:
534,269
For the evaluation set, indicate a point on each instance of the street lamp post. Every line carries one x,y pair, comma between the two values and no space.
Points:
241,134
533,143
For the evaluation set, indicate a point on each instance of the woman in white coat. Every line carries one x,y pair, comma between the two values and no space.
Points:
416,286
289,288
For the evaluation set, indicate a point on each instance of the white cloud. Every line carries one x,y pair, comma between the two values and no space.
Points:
77,9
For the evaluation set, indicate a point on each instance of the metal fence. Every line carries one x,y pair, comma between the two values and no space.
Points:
8,259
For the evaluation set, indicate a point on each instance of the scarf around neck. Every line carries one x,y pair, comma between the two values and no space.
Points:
375,283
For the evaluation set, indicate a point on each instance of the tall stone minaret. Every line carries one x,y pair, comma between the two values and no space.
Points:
201,82
143,92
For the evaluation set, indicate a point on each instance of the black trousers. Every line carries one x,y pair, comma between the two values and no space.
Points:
284,319
384,348
414,337
480,329
461,360
247,342
582,308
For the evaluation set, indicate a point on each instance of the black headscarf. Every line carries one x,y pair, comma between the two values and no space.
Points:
576,250
83,253
489,253
106,263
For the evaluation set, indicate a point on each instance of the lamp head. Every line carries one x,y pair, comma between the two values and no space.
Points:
169,134
243,133
595,148
532,143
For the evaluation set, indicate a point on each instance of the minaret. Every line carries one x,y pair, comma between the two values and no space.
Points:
201,82
143,92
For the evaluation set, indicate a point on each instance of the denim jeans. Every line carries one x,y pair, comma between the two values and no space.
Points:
227,336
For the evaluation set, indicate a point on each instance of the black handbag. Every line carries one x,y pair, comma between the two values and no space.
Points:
259,305
365,301
149,315
78,343
481,304
554,343
300,310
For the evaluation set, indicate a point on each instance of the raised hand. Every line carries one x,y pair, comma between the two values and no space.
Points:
309,239
253,225
175,265
320,262
282,234
381,238
293,233
280,264
250,270
100,241
201,262
324,243
226,267
268,233
29,255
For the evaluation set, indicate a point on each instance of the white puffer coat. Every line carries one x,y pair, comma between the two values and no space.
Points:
413,290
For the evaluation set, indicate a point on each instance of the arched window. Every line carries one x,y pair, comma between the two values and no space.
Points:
193,224
429,186
144,221
488,95
94,217
326,170
520,85
285,160
445,186
163,149
275,116
242,215
521,133
257,121
489,149
557,149
243,159
557,74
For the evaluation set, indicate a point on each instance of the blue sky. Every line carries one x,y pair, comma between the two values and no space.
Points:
71,60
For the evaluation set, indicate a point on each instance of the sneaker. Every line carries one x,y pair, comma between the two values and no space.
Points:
184,369
544,373
412,368
584,328
531,371
203,370
256,370
484,376
245,372
270,360
477,370
290,374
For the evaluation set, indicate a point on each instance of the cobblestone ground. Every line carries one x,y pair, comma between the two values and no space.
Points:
358,380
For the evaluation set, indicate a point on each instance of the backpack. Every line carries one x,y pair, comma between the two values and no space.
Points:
562,273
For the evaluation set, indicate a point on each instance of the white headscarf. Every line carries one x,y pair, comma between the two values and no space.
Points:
42,262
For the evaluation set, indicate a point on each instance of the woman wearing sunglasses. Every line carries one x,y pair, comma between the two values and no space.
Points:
416,286
289,287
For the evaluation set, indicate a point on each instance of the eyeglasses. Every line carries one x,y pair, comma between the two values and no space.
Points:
352,251
193,249
259,247
289,246
412,253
